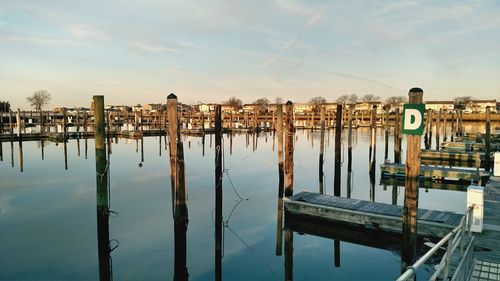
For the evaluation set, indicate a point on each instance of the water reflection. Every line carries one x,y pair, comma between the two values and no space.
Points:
149,234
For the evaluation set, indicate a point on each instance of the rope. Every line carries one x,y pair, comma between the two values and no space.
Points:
253,252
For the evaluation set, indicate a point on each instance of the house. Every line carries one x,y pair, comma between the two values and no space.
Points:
366,106
302,107
206,107
446,106
479,106
152,107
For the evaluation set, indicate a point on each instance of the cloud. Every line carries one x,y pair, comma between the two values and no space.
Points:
38,40
142,47
308,26
87,32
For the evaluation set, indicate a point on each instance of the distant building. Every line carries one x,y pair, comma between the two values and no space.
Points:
152,107
479,106
206,107
446,106
302,107
366,106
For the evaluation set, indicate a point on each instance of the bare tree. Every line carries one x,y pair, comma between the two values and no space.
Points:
234,102
370,98
353,98
39,99
343,99
262,103
278,100
317,102
395,101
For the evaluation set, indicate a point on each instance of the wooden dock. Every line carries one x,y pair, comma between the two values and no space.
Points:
398,170
453,159
372,215
487,244
426,183
468,146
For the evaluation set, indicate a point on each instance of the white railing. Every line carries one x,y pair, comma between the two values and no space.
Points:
459,236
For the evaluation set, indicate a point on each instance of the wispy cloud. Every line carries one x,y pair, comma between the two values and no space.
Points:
38,40
308,26
87,32
143,47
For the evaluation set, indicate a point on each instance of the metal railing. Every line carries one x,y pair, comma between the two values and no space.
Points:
459,236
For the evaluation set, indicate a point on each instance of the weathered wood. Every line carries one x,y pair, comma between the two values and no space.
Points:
338,132
349,152
438,128
412,172
487,141
394,169
289,147
218,193
397,136
322,150
371,215
373,152
102,190
281,175
386,130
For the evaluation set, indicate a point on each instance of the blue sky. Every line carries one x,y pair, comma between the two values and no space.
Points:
140,51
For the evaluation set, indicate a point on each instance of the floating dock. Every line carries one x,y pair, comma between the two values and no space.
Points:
368,214
398,170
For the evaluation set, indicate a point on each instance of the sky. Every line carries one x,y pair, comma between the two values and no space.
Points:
208,51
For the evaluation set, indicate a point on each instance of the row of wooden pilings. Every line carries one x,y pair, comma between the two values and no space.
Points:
116,120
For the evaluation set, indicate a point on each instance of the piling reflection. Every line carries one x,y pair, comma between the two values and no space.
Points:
20,156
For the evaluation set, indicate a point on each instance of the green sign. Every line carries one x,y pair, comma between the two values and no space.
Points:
413,119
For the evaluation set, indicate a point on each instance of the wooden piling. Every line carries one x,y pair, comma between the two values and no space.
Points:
397,136
373,152
438,128
338,132
65,125
431,120
18,121
452,121
178,181
289,147
349,151
445,121
281,177
288,254
20,155
487,139
218,193
11,128
412,173
102,189
386,129
322,150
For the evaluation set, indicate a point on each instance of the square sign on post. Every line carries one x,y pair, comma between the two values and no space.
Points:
413,119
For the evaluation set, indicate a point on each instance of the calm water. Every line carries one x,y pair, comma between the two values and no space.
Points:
48,214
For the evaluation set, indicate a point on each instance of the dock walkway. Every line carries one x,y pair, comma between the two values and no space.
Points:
395,169
487,244
373,215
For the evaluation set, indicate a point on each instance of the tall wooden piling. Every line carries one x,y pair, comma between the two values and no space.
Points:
431,121
178,187
438,128
11,127
488,141
445,121
1,122
18,122
322,150
373,151
338,132
218,193
281,177
397,136
412,173
349,152
65,125
452,121
289,147
102,190
386,129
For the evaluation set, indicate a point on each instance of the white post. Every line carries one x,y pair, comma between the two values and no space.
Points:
475,196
